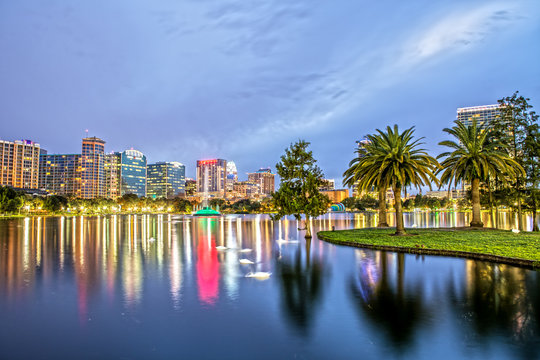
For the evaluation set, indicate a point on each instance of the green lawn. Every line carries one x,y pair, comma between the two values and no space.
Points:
525,245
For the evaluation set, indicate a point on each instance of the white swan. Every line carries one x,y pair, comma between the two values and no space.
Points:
246,261
259,275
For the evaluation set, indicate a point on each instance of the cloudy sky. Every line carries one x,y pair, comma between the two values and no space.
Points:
242,79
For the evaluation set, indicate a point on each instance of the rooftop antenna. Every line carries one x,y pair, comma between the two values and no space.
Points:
86,132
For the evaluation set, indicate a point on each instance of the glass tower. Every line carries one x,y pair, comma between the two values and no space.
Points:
132,173
166,180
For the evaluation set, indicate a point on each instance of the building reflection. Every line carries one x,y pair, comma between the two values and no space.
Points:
123,259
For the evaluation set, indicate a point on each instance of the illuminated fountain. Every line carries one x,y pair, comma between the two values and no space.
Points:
206,210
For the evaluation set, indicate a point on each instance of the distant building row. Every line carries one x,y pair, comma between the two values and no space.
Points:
91,174
219,178
95,174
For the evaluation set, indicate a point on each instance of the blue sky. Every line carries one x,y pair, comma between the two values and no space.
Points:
241,80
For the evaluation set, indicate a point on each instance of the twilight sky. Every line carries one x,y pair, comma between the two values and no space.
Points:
242,79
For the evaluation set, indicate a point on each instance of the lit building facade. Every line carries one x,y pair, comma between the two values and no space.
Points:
265,179
336,196
165,180
93,168
132,173
212,176
191,187
60,174
112,175
483,114
20,164
247,190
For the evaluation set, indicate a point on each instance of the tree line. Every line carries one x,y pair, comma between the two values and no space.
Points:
498,158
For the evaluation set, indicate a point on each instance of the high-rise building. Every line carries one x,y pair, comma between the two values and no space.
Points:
92,168
265,179
132,173
212,176
112,175
60,174
166,179
20,164
483,114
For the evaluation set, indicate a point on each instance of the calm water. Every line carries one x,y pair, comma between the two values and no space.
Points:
154,286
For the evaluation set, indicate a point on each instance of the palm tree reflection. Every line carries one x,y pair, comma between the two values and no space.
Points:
301,285
503,300
395,310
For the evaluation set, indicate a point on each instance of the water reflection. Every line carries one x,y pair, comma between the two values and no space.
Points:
380,293
168,275
491,302
301,280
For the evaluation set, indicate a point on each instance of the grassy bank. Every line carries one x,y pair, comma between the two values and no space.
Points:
492,245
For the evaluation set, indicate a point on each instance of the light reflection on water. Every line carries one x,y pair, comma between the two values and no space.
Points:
93,279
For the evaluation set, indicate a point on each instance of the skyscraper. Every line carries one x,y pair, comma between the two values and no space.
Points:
265,179
20,164
112,175
133,173
212,176
60,174
166,179
92,168
483,114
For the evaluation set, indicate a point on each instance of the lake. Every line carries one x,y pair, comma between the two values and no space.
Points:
171,286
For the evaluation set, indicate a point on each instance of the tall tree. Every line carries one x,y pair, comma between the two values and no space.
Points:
517,127
298,192
355,175
394,159
476,156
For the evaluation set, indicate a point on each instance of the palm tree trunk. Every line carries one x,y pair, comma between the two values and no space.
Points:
382,208
520,213
491,206
400,228
476,216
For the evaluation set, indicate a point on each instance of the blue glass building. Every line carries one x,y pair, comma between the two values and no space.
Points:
132,177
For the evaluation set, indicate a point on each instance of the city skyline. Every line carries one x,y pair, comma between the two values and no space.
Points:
235,80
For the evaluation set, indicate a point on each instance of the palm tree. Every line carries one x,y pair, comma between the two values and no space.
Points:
394,160
477,155
355,176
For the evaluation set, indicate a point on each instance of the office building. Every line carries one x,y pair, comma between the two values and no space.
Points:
165,180
112,175
92,168
190,187
265,179
247,190
60,174
20,164
483,114
212,177
125,173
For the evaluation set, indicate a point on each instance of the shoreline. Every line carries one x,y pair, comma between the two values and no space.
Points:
532,264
